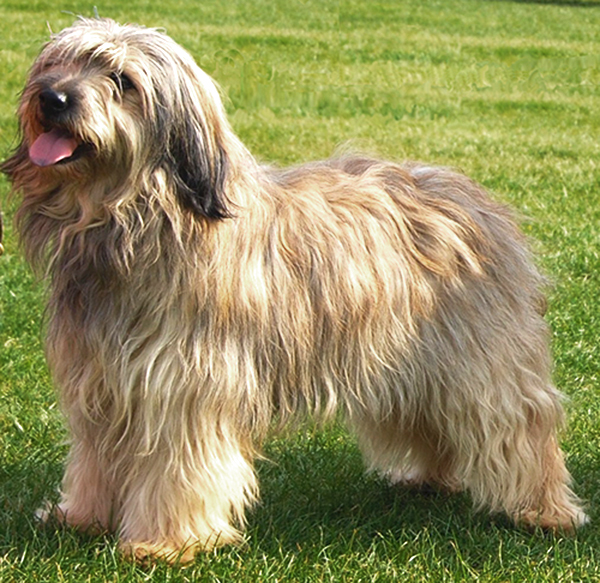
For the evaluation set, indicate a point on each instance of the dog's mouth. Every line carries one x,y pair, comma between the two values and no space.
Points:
56,146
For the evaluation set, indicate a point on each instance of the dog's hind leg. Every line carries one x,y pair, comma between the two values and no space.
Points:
521,471
502,427
552,505
409,454
502,448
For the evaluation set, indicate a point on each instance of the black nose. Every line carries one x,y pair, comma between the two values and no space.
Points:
53,103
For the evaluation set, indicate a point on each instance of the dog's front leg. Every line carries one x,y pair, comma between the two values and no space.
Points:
87,497
186,496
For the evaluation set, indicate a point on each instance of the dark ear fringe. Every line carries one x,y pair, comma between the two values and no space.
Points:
200,181
195,160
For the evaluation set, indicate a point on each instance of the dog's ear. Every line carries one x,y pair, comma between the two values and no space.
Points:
199,169
192,134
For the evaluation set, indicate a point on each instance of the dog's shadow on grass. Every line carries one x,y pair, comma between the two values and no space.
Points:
315,492
319,505
315,495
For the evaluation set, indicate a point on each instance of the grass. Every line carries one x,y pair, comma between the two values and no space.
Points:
506,91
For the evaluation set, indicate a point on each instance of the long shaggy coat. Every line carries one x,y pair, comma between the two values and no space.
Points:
197,298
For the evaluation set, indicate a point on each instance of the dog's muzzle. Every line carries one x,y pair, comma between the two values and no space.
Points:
57,144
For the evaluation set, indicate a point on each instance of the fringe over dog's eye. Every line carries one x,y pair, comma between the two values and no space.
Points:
122,81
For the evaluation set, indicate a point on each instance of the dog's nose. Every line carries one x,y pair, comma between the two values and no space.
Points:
53,103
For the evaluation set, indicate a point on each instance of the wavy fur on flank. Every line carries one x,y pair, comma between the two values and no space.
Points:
198,299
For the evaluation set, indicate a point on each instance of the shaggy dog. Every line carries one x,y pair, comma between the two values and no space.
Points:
197,299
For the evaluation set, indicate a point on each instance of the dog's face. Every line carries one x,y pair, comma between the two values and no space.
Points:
112,103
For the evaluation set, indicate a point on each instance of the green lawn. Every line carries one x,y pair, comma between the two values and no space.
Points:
508,92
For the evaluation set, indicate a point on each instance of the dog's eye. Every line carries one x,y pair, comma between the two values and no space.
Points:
122,81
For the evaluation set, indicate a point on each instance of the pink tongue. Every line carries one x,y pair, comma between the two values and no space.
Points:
52,147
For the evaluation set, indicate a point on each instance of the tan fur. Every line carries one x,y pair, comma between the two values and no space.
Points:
198,298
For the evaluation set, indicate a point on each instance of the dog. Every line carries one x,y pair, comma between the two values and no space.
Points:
199,300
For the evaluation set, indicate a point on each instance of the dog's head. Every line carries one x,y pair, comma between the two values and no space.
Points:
115,104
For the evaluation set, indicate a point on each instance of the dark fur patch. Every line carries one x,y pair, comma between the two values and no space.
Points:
200,182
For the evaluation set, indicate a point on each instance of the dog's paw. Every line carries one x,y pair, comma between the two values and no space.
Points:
417,480
409,478
57,516
146,552
51,514
564,519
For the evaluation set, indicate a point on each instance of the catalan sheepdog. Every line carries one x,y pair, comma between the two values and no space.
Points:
198,300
